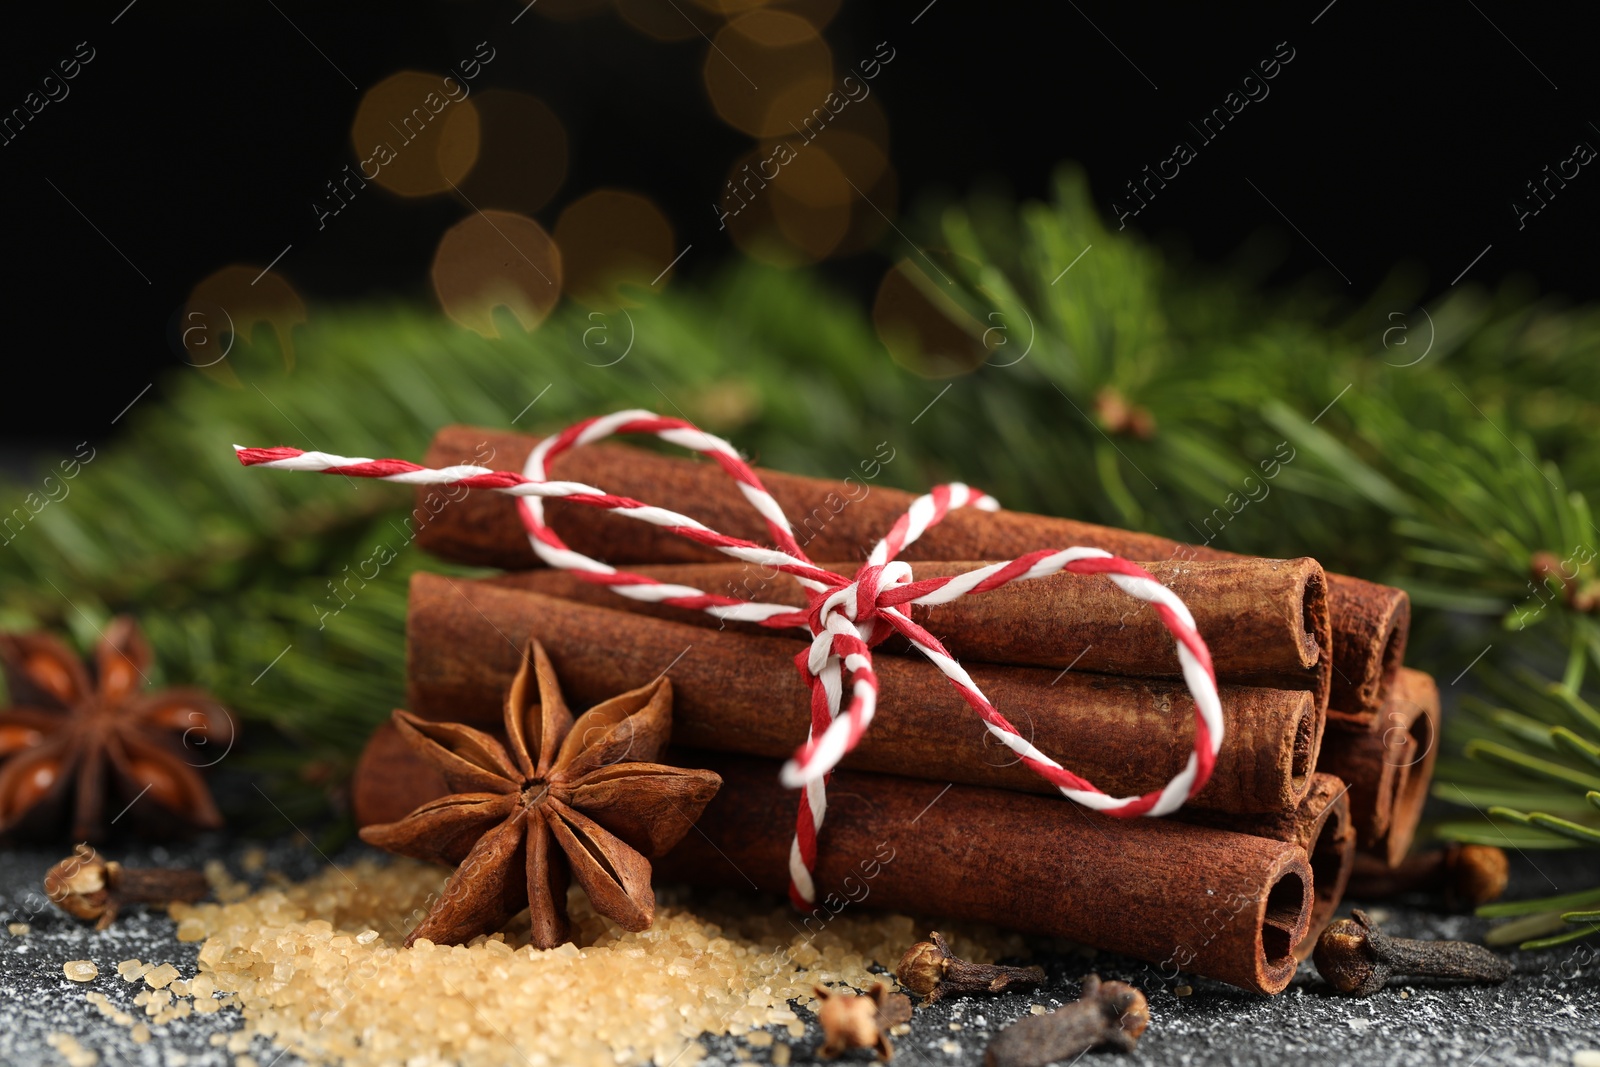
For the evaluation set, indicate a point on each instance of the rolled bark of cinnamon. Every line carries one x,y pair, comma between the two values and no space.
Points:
839,520
1321,826
734,692
1186,898
1389,770
1266,621
1371,623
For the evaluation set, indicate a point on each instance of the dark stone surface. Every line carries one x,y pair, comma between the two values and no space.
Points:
1547,1012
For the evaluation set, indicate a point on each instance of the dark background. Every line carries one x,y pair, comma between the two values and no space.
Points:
200,135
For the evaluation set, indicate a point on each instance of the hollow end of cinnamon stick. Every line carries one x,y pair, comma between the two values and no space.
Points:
1285,919
1321,826
1374,773
1389,770
1373,623
1316,630
1414,708
1329,839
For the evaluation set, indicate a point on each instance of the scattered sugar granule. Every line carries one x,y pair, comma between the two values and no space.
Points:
759,1038
245,1061
81,970
1036,1009
17,929
950,1048
162,976
254,860
900,1029
1183,990
104,1006
780,1055
955,1026
1586,1057
141,1033
132,970
75,1054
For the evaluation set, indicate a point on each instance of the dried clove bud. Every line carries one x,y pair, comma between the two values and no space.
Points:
1108,1014
850,1021
1465,876
930,970
87,887
1357,958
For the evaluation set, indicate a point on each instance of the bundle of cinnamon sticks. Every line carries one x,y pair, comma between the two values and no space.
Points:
1328,748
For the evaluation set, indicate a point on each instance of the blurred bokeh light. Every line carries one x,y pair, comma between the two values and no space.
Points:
225,308
610,240
522,154
497,259
416,134
668,20
925,330
817,12
765,56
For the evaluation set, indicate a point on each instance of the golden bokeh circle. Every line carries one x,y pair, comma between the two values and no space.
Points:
612,240
926,331
522,156
497,259
873,182
786,204
415,133
759,57
817,12
668,20
225,309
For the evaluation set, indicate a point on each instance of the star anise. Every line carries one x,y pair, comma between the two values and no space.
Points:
560,800
72,747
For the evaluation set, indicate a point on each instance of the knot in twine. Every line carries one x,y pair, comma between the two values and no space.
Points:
845,616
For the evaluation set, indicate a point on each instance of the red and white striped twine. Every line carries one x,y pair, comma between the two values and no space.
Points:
845,616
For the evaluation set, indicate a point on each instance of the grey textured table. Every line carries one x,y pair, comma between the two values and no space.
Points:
1546,1013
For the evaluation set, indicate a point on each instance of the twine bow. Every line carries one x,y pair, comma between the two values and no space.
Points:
845,616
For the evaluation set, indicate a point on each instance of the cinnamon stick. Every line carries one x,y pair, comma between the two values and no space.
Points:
1186,898
1389,770
1371,623
740,693
1265,620
1321,826
839,520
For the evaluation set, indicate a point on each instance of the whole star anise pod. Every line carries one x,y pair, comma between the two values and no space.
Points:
76,750
560,800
